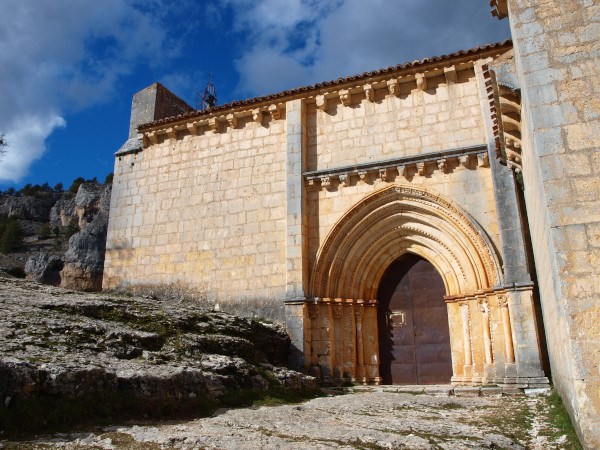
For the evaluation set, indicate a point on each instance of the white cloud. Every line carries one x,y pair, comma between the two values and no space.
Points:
300,42
57,57
26,144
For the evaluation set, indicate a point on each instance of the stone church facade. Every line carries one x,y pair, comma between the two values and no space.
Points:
383,218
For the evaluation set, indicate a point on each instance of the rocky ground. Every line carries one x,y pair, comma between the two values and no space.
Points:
366,418
68,357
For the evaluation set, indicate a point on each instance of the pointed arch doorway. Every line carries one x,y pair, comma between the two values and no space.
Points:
414,337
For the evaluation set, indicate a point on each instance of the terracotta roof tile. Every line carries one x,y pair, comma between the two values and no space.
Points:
400,67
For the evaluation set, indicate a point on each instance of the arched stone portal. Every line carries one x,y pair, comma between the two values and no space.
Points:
341,332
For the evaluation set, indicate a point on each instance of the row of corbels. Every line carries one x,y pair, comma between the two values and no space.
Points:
386,174
512,146
274,110
214,123
392,86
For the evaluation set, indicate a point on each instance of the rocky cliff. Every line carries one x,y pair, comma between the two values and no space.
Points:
67,357
76,265
84,260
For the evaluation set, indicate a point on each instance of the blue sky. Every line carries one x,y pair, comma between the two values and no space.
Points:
68,68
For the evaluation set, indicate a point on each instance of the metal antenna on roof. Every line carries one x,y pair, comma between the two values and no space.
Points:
208,99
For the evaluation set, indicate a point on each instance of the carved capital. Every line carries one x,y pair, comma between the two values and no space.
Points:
311,184
313,311
359,312
464,160
345,97
402,171
483,305
363,176
337,311
274,111
421,168
502,301
325,182
321,102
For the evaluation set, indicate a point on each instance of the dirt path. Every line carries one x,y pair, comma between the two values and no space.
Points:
370,418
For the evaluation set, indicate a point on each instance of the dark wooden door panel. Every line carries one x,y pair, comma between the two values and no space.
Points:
414,338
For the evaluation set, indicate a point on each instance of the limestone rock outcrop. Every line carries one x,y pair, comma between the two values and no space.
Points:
82,265
35,208
138,356
63,211
44,268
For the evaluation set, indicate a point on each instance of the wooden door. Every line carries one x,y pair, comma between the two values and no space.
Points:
414,339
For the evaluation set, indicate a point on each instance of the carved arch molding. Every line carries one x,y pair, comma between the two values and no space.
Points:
397,220
341,319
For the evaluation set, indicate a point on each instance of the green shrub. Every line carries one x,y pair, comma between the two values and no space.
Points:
72,228
57,244
76,183
109,178
45,231
11,237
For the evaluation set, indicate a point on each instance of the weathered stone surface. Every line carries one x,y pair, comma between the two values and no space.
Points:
63,210
379,420
69,345
36,208
84,261
44,268
556,54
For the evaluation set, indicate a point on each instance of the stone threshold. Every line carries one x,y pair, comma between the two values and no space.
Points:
447,390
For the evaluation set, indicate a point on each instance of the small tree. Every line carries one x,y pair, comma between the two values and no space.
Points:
45,231
11,237
76,183
57,243
58,187
72,228
109,178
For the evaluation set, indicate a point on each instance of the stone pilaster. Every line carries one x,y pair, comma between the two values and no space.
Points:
296,228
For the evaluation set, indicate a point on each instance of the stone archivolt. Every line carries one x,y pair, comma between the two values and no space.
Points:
396,220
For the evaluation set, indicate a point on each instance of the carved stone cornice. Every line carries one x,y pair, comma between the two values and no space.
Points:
405,166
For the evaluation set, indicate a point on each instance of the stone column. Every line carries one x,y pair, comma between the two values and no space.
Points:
466,332
296,228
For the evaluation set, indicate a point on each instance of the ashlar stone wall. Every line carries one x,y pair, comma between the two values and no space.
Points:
203,211
557,58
